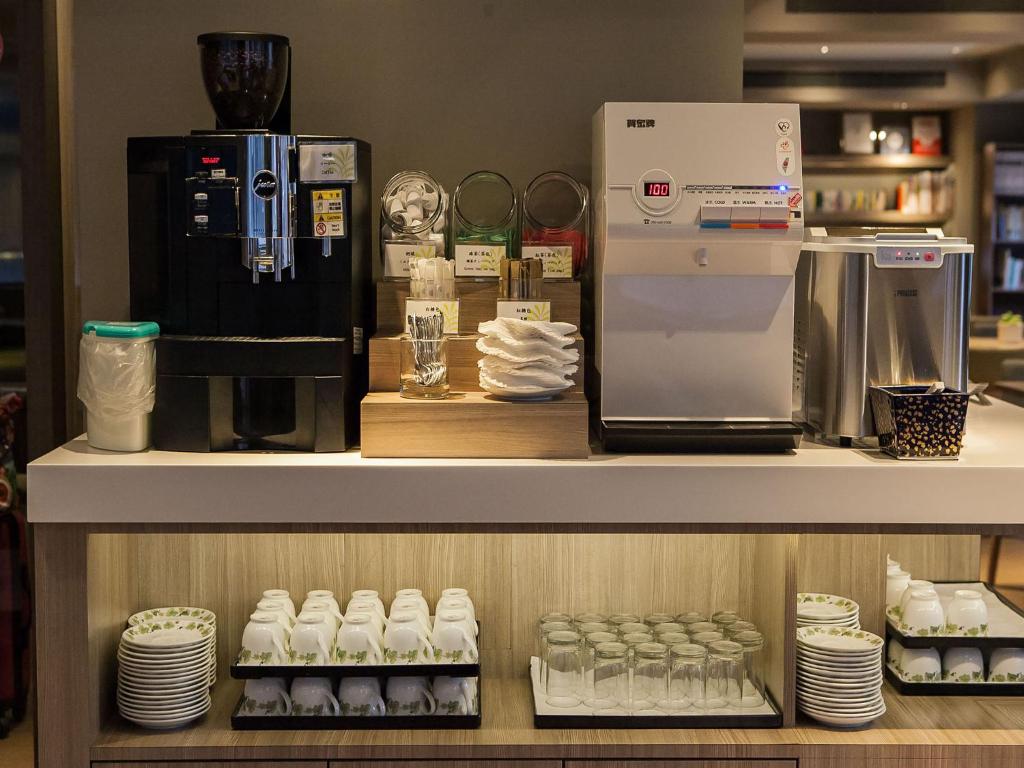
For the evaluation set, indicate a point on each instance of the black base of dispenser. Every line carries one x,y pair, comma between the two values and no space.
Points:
700,436
229,393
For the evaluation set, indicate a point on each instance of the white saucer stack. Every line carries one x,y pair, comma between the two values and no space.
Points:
525,359
166,665
839,675
814,609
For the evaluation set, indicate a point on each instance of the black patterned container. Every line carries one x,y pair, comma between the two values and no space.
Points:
912,424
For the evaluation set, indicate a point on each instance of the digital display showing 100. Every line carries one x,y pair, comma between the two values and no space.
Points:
656,188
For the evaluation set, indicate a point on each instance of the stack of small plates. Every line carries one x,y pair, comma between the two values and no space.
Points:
814,609
166,665
839,675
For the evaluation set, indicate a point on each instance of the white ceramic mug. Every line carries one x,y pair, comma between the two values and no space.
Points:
461,593
360,697
312,640
279,609
314,696
322,606
454,695
368,607
358,641
419,618
413,594
405,641
1006,665
923,614
895,655
407,604
452,640
967,614
896,581
284,597
326,596
264,697
963,665
410,696
457,604
921,665
263,641
369,596
912,585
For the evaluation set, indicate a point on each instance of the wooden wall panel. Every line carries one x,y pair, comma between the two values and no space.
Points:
853,565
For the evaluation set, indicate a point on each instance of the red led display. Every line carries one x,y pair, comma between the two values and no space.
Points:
656,188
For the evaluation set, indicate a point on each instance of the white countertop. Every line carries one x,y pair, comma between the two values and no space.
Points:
814,485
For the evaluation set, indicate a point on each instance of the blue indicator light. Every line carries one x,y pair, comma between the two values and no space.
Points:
783,188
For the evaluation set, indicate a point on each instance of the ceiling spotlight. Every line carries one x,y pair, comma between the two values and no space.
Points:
882,135
824,49
956,50
873,135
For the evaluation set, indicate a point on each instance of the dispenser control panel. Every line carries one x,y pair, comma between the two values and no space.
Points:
908,257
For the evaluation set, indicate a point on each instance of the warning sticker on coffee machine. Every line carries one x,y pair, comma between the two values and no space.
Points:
328,212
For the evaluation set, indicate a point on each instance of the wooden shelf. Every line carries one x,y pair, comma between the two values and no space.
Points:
883,218
872,163
922,727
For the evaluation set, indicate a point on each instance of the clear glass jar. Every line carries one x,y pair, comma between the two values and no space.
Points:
650,676
413,221
725,674
424,374
753,670
556,224
485,228
688,675
611,676
654,619
564,684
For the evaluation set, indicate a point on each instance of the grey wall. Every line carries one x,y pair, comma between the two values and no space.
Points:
448,86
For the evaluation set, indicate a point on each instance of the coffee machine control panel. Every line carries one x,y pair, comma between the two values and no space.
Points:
211,187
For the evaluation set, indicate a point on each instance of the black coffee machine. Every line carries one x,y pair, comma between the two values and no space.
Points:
250,247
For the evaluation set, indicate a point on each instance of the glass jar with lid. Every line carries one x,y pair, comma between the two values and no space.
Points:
556,224
753,670
413,221
485,225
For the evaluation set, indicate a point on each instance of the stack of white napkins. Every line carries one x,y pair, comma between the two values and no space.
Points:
526,360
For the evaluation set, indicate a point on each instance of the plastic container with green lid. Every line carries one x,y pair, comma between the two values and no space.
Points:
117,383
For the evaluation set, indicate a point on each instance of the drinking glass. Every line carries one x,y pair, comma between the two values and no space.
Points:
718,615
690,617
424,360
700,626
593,626
618,619
668,626
655,619
589,618
688,675
564,668
706,638
631,627
650,676
590,641
753,683
737,627
543,630
725,674
611,676
725,621
672,638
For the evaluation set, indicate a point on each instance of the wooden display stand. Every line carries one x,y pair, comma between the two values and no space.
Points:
469,423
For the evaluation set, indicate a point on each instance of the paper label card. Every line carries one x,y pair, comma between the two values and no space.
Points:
478,259
398,254
557,258
449,309
328,212
525,310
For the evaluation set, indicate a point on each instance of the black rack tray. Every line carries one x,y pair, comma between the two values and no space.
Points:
343,723
951,689
985,643
729,720
241,672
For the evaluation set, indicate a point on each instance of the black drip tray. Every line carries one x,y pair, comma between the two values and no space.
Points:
700,436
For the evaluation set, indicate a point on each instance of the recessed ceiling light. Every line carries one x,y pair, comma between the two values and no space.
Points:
956,50
903,105
873,135
824,49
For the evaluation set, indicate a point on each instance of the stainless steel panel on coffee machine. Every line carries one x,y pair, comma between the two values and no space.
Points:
267,205
877,308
